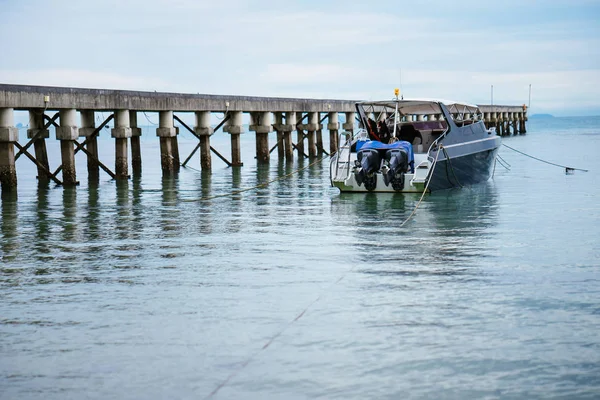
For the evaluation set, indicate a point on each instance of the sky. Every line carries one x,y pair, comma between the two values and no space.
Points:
314,49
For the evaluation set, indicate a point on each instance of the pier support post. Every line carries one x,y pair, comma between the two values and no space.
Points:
175,147
88,126
278,116
234,127
287,128
333,127
260,123
497,119
515,123
319,134
36,124
348,126
8,135
166,132
68,132
204,131
300,135
121,132
312,126
136,149
486,120
522,129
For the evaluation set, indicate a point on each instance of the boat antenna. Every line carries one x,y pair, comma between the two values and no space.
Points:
401,89
396,93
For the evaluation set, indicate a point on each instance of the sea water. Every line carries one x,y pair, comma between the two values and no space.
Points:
154,288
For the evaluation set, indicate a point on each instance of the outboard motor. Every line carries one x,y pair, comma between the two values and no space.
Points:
397,163
367,165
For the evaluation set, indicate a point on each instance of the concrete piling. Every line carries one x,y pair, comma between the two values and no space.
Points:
287,128
260,123
86,130
166,132
278,116
312,126
333,127
121,133
136,151
67,132
319,135
8,135
300,135
36,129
204,131
348,126
235,129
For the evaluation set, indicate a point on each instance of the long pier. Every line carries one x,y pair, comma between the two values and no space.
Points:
59,106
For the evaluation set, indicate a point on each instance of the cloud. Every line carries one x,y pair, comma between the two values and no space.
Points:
83,79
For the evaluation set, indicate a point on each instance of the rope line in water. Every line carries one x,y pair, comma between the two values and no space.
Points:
547,162
272,338
502,162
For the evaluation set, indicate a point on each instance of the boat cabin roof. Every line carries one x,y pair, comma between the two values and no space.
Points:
419,106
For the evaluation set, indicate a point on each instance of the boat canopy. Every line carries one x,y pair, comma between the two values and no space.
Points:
419,107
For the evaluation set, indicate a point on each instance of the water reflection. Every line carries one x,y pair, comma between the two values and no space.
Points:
235,214
204,216
448,231
9,229
69,217
123,208
42,226
262,177
136,208
169,212
206,183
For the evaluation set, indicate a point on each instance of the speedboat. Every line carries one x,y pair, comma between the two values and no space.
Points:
414,146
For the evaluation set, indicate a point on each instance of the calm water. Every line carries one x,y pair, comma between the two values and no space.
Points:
137,290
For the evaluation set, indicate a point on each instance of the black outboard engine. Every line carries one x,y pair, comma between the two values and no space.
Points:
367,165
397,163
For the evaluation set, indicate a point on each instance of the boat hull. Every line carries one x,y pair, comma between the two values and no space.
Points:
458,165
465,164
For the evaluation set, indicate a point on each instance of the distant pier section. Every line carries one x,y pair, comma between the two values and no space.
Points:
72,112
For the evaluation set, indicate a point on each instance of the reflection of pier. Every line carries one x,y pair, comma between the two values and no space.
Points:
56,107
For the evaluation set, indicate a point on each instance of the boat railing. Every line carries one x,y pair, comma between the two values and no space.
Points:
347,144
344,153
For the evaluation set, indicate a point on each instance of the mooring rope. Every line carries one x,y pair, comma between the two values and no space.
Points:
503,162
547,162
273,337
451,167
